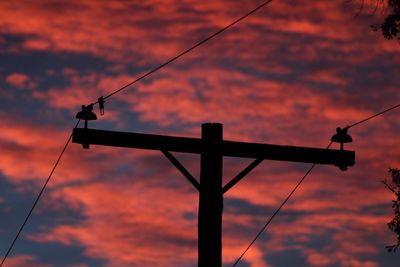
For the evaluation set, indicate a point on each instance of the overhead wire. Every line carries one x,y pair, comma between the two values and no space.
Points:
301,181
373,116
188,50
38,197
276,212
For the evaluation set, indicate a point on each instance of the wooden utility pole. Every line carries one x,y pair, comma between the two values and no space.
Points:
211,200
212,148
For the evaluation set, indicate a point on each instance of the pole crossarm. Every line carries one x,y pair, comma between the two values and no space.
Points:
241,175
212,148
289,153
182,169
229,148
136,140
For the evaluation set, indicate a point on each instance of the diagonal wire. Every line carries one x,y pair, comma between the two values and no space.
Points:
277,211
375,115
303,178
188,50
37,198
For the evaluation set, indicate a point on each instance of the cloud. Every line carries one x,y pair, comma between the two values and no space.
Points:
138,231
289,75
18,80
24,260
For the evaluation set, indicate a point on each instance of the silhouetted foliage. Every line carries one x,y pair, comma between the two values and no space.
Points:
390,27
394,224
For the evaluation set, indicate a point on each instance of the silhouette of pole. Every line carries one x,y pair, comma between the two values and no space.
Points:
212,148
210,200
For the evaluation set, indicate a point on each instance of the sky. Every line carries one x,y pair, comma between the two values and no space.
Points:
289,75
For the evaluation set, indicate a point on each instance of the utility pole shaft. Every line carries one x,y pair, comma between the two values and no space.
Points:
211,200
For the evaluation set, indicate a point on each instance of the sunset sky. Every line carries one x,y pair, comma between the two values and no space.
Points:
289,74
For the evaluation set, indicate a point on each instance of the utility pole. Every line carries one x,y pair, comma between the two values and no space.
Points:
212,148
211,199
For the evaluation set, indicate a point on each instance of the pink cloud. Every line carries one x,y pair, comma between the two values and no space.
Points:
24,260
18,80
326,77
130,219
255,79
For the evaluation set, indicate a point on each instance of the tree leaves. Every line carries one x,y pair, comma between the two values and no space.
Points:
391,25
394,224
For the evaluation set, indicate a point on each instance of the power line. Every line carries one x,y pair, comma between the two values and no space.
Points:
277,211
188,50
38,197
375,115
301,181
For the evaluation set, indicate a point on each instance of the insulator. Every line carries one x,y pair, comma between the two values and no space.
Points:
341,136
86,114
101,105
